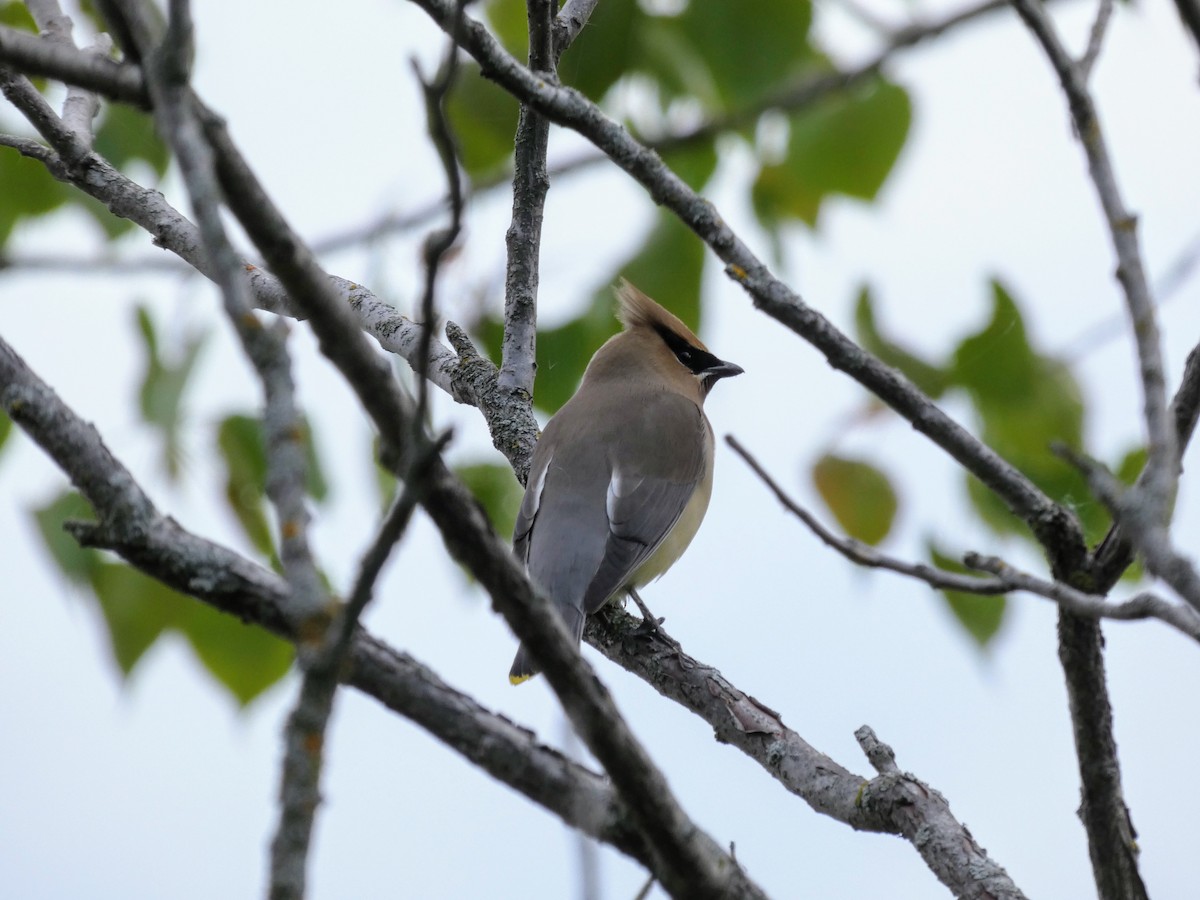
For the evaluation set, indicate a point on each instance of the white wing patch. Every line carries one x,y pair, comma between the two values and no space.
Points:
619,486
534,491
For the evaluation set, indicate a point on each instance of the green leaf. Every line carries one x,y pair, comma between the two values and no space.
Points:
510,23
497,491
244,658
859,495
668,267
240,442
127,134
1127,471
242,446
315,482
76,562
29,191
5,428
931,379
694,163
981,615
484,120
16,15
847,145
1026,401
1131,465
163,384
136,609
749,47
607,48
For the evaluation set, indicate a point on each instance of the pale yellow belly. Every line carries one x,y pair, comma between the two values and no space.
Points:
679,538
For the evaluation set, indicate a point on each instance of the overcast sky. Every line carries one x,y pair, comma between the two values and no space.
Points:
160,788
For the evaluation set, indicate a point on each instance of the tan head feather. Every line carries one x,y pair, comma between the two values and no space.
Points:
639,311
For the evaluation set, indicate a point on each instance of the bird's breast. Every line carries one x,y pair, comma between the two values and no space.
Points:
680,536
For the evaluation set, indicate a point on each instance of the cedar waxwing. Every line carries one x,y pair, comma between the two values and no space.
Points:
621,477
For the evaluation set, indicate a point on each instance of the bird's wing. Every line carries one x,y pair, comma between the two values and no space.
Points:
651,483
530,503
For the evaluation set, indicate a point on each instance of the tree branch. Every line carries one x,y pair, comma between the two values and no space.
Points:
167,69
687,861
439,242
1007,578
891,804
1055,527
37,56
863,555
1155,497
511,423
523,240
1144,605
130,525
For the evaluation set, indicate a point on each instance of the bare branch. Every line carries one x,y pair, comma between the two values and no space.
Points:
35,56
438,244
130,525
81,106
1141,606
1095,39
167,69
1153,541
686,859
890,804
1189,13
523,240
1006,580
1055,526
1115,552
1156,495
863,555
510,421
569,22
31,149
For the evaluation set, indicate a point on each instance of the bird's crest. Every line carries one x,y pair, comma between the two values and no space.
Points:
639,311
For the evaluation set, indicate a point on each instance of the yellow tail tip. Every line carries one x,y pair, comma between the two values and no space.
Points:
518,679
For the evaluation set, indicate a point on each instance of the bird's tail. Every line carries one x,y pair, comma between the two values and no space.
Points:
524,667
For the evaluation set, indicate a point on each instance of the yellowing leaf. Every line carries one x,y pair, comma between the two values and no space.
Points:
859,495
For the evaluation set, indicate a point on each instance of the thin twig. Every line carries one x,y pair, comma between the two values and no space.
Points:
31,149
438,243
1157,493
167,69
1144,605
1152,541
687,859
34,56
130,525
1056,527
1095,39
569,22
863,555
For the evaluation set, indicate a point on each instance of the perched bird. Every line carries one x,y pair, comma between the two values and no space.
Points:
621,477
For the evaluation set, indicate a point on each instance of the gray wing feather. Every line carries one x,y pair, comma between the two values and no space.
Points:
651,484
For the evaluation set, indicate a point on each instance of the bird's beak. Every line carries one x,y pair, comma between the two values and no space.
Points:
710,376
722,370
